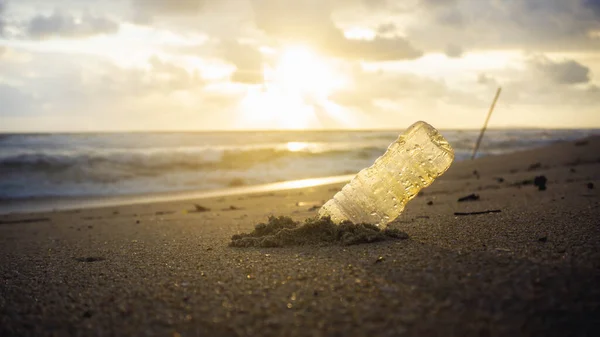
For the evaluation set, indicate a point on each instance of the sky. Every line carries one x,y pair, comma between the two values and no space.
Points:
129,65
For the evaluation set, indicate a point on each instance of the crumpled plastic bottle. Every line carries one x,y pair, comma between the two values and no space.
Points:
378,194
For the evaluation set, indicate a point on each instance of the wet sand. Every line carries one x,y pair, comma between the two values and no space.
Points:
530,266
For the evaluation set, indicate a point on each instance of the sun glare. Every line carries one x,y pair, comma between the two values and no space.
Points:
301,71
296,146
299,79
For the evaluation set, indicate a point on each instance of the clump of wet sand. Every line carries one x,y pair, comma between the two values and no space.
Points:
283,231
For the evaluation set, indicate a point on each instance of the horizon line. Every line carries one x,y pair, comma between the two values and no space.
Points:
8,132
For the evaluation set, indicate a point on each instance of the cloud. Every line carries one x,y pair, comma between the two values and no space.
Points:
386,28
542,84
65,25
485,79
369,87
14,101
2,23
91,93
145,10
436,3
454,51
247,60
310,22
161,78
375,3
594,5
558,87
535,25
562,72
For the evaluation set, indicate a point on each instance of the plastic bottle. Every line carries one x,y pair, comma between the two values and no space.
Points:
378,194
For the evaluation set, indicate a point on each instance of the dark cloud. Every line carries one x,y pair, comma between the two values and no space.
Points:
247,60
2,9
310,22
454,51
64,25
535,25
563,72
594,5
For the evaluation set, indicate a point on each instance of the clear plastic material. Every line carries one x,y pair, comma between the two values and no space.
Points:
379,193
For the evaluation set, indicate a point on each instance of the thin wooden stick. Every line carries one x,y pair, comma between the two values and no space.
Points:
485,124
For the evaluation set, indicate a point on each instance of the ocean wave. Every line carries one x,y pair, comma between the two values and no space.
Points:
58,165
149,163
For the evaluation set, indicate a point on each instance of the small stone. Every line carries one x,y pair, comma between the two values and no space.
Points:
540,182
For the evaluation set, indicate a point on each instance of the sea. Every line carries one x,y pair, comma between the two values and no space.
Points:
100,165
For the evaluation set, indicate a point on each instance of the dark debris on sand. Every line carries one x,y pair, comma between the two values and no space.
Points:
283,231
470,197
200,209
90,259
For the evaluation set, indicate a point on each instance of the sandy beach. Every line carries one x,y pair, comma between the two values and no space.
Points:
529,268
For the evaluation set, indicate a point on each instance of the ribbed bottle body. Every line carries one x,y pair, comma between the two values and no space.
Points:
379,193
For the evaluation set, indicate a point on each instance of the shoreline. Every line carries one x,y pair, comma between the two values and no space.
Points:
47,204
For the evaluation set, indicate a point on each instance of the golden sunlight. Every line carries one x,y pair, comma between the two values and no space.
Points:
299,79
300,71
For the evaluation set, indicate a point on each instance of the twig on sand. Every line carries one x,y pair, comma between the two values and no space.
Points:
480,212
